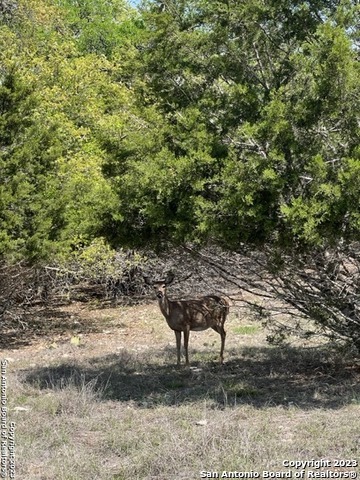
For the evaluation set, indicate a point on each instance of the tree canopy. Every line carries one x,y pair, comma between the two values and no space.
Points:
258,138
183,120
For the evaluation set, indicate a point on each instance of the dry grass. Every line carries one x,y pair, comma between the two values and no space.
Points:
116,407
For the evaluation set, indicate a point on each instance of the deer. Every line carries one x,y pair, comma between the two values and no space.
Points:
185,315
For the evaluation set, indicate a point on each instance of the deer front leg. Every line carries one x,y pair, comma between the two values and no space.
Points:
186,343
178,345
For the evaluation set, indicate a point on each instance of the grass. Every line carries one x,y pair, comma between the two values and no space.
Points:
245,330
118,408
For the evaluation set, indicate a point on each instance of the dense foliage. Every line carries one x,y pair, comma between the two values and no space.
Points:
257,135
185,120
61,96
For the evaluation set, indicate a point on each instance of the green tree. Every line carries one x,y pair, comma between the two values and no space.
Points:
103,28
28,153
257,106
60,108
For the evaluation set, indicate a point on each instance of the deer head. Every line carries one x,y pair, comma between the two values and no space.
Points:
160,285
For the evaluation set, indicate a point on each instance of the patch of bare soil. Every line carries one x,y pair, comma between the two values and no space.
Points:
80,330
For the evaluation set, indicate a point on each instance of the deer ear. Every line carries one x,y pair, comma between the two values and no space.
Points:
169,278
147,280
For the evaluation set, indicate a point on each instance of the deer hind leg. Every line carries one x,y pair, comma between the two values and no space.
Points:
178,345
221,331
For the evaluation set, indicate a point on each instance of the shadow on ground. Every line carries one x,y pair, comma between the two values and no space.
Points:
261,377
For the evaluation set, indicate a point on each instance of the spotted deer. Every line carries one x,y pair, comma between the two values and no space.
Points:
186,315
